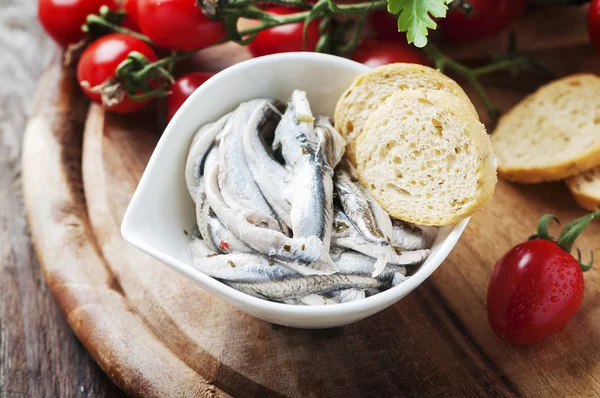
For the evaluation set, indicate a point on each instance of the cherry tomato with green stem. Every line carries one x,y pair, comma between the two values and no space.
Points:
183,88
285,38
62,20
479,18
537,286
178,25
98,65
374,53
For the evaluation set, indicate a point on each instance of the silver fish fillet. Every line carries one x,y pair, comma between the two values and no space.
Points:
312,206
274,244
295,134
335,297
312,299
201,144
218,238
346,295
262,277
407,236
335,145
364,213
238,188
312,202
345,235
272,178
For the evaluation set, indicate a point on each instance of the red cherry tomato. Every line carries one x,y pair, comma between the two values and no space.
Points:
178,24
594,24
375,53
385,25
535,290
62,19
183,88
537,286
486,18
99,62
285,38
131,20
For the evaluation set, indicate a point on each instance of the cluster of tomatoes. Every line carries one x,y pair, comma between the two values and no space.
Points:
176,25
180,25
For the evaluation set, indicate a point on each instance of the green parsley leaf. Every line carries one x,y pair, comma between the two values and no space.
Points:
414,17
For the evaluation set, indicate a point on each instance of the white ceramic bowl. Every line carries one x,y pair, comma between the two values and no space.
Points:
161,208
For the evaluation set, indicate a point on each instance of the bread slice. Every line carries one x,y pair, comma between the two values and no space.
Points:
370,89
552,134
426,158
585,188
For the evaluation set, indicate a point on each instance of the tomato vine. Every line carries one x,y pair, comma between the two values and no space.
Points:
336,36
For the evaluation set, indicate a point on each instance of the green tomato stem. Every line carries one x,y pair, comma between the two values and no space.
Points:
585,267
472,75
167,62
542,232
574,229
571,231
95,19
333,9
353,42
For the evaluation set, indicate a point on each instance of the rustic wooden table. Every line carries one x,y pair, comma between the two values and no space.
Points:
39,355
449,348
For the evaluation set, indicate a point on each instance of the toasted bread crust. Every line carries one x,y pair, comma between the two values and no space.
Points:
557,172
585,195
371,89
539,116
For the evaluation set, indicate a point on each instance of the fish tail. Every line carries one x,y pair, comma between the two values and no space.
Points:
399,277
382,260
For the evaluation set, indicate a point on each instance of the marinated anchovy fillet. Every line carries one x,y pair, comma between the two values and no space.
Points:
347,236
201,144
258,176
271,243
238,188
407,236
364,213
311,299
272,178
217,237
346,295
335,297
312,205
262,277
335,146
295,134
312,202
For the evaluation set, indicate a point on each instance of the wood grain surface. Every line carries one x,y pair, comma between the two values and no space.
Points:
435,342
156,334
39,355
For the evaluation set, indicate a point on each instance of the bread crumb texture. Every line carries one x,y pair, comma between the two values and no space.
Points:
585,188
371,89
426,158
553,133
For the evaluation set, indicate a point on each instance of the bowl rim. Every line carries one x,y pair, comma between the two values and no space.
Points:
382,299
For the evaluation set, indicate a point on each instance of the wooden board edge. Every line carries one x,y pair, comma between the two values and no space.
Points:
75,272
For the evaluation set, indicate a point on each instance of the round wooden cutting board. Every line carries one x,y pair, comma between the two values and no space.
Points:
155,333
